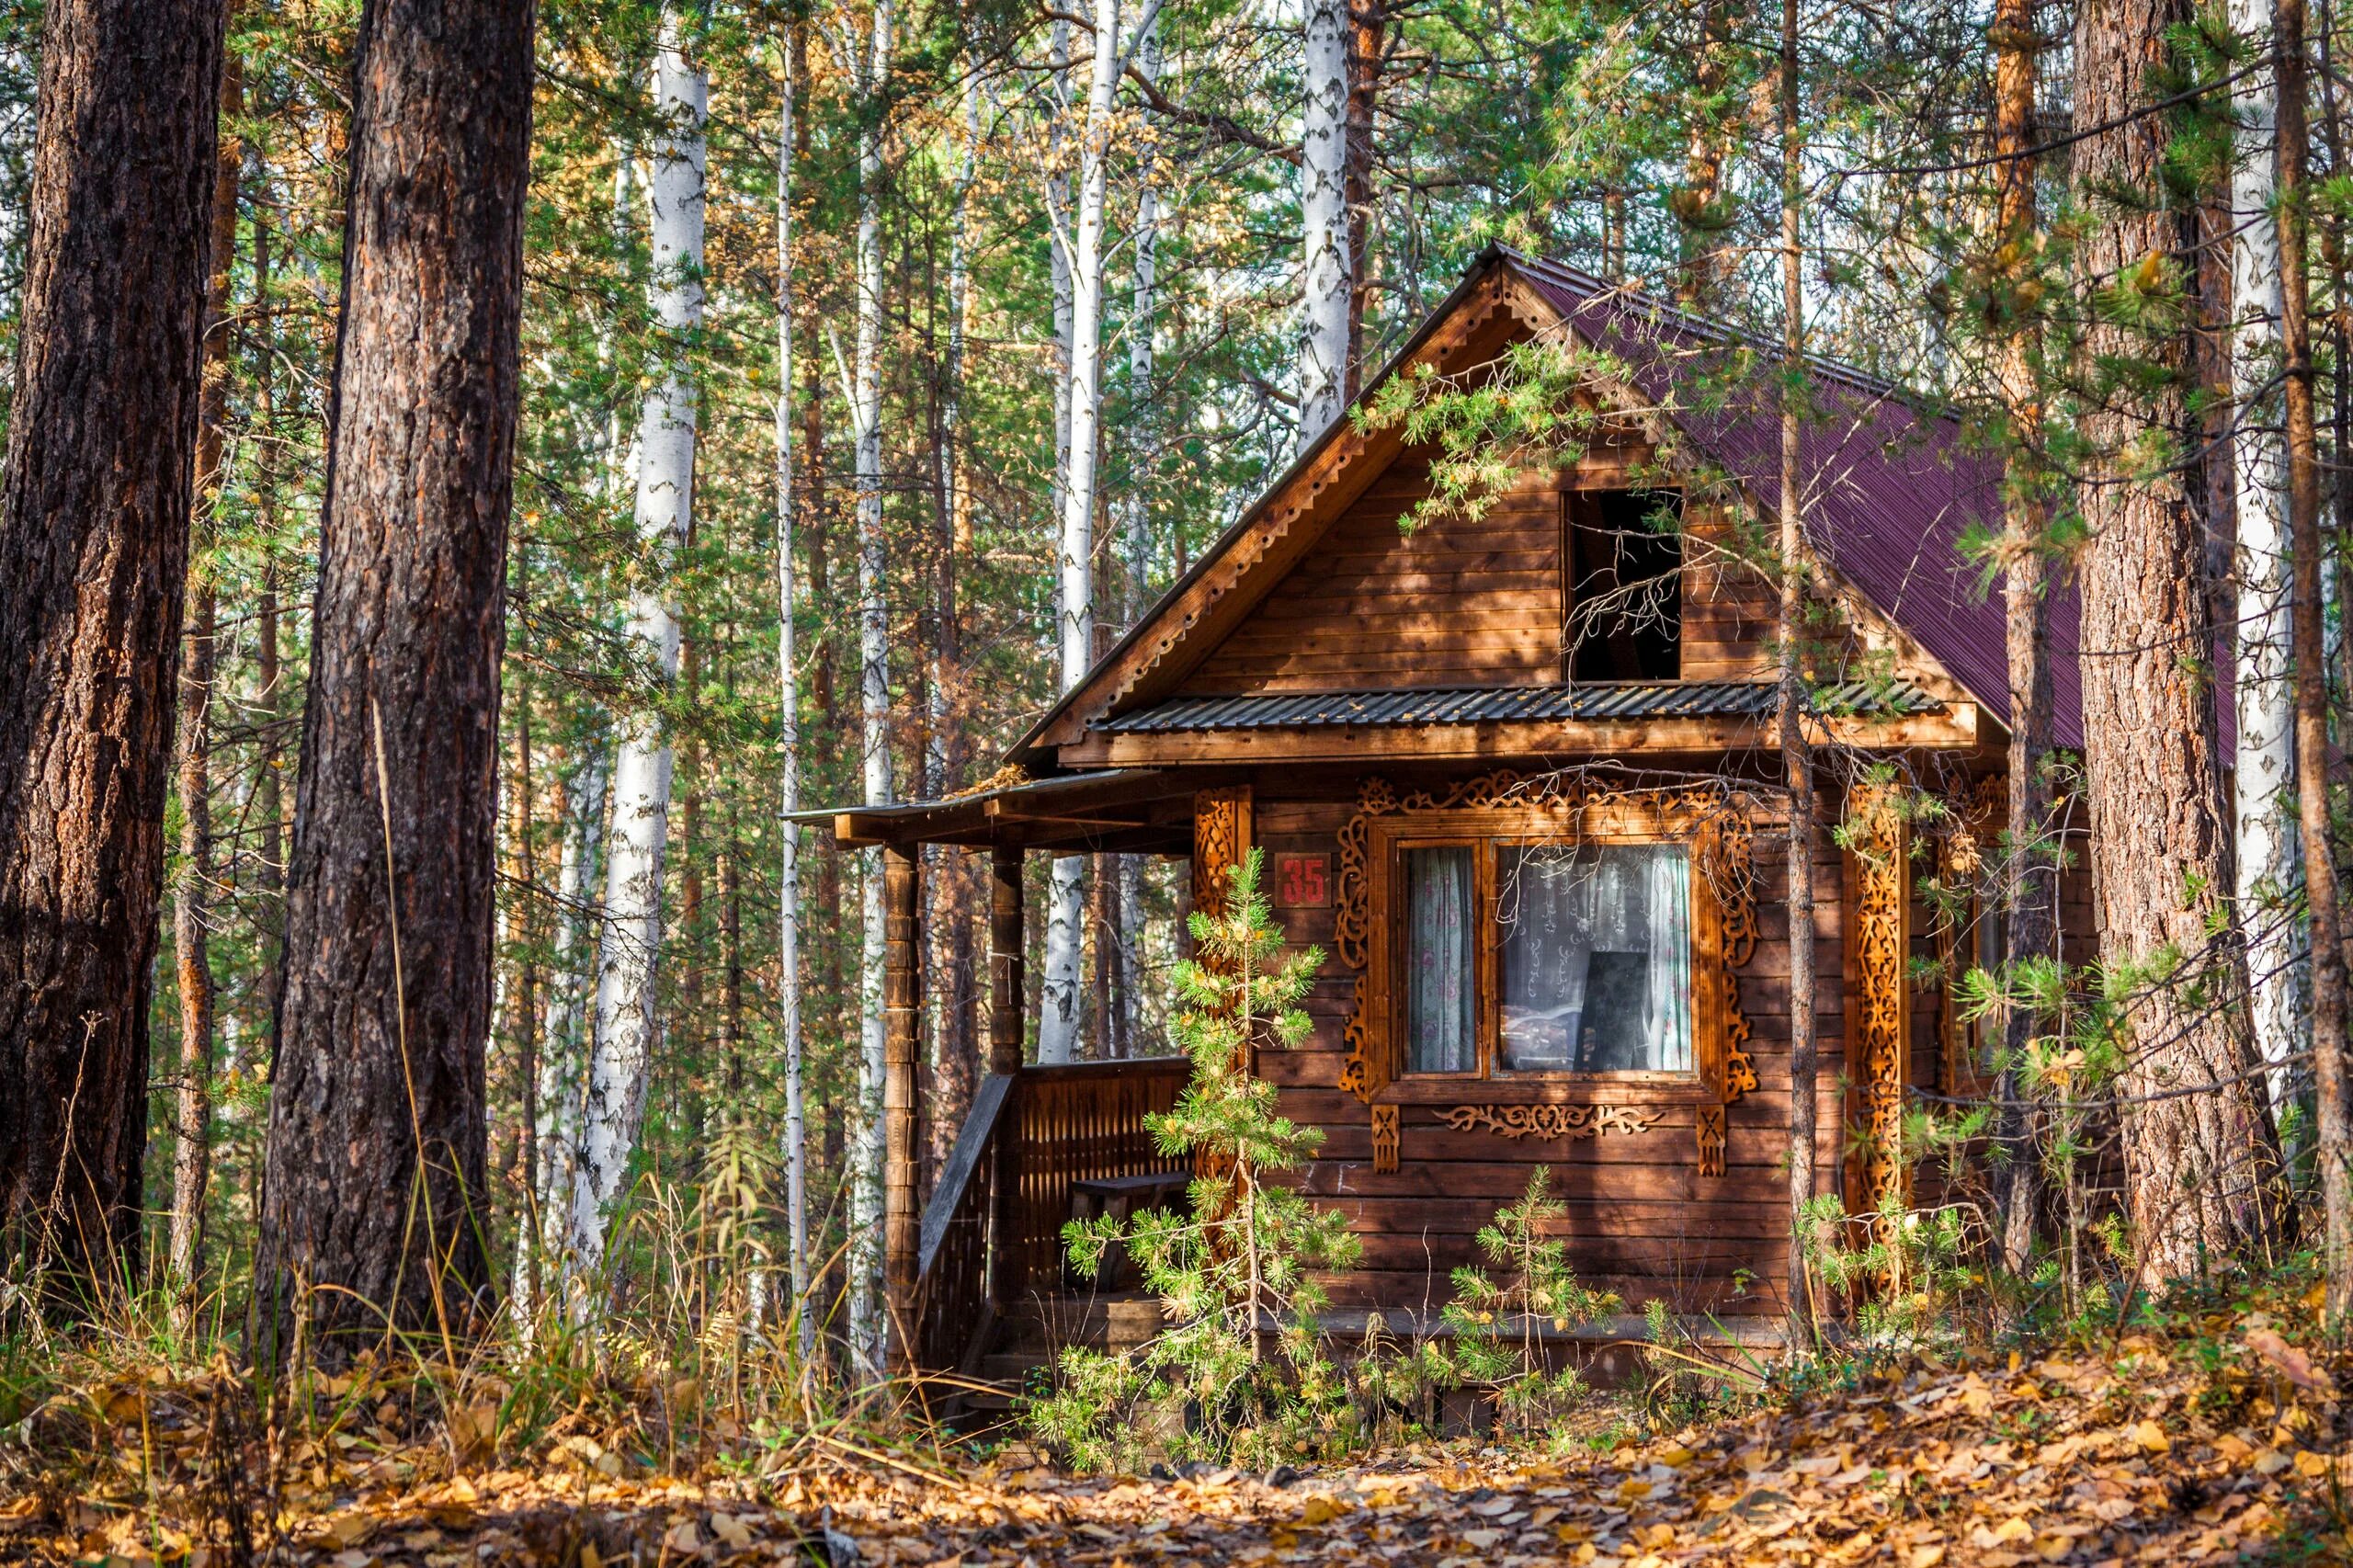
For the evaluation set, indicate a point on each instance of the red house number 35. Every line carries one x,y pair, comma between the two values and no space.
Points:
1302,882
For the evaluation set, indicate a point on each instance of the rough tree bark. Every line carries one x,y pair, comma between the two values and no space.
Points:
94,527
2030,917
2195,1163
375,1211
192,895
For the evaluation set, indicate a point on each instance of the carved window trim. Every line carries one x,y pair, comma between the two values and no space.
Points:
1720,826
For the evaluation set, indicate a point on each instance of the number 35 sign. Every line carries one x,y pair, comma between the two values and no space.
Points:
1302,882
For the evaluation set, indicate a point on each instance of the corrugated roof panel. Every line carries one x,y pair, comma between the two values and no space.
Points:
1478,705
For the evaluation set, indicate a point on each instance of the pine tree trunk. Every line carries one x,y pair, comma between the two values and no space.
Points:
2334,1139
192,895
2030,916
627,1023
2195,1164
94,529
1797,753
375,1211
1694,205
788,663
874,716
1327,269
2263,852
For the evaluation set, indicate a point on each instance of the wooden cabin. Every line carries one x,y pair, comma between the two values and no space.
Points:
1518,777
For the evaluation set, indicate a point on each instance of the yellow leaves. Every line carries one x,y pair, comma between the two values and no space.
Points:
1675,1456
473,1431
1928,1556
1320,1510
2150,1438
350,1529
2309,1465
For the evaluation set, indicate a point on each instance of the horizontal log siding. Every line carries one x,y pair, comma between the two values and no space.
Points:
1643,1222
1465,602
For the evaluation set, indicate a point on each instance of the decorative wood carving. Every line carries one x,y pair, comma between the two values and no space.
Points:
1517,1121
1880,868
1712,1140
1384,1138
1220,839
1725,925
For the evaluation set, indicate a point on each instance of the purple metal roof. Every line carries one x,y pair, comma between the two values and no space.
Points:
1891,488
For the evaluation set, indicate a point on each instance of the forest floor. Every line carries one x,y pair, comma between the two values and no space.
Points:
2217,1437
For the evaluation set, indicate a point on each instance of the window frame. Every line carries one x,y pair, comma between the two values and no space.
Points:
1490,829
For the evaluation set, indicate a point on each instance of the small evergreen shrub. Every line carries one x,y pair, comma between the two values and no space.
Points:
1239,1374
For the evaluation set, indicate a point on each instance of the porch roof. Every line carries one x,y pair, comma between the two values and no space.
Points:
1585,701
1115,809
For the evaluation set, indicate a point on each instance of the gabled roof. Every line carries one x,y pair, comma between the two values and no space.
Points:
1892,489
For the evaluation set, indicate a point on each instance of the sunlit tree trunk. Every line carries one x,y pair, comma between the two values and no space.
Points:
373,1218
2334,1139
1327,269
2030,918
1058,1007
2264,851
94,524
627,1025
866,1326
2196,1162
1797,753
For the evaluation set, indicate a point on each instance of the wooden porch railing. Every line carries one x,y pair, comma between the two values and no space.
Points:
992,1233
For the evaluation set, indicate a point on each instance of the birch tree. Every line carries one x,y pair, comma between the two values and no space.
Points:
1327,269
788,667
873,701
1058,990
623,1058
2263,847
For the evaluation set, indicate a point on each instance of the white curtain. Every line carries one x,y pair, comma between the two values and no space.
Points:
1595,959
1440,885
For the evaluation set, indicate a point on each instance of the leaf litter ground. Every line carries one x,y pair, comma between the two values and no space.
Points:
2222,1444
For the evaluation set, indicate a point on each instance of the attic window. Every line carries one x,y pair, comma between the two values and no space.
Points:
1622,552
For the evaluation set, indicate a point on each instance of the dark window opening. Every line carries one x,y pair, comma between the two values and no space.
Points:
1623,551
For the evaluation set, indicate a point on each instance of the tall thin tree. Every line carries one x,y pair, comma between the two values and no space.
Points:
2335,1138
375,1212
627,998
1327,269
94,502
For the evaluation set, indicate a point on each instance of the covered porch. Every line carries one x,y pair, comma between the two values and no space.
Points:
963,1259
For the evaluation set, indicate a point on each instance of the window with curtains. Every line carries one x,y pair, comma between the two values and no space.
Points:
1522,959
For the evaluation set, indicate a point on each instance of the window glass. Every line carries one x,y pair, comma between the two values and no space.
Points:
1441,889
1595,951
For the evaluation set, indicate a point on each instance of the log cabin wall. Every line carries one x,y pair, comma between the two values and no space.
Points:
1642,1221
1461,602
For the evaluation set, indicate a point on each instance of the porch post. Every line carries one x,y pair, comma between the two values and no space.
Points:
1006,976
900,1220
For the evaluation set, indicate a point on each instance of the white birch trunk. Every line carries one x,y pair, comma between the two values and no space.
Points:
788,669
2265,831
1326,266
874,714
626,1023
539,1240
1059,1006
